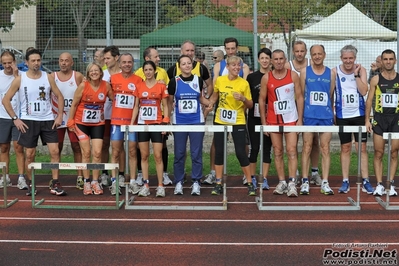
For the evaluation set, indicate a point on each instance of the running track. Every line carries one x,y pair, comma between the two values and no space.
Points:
242,235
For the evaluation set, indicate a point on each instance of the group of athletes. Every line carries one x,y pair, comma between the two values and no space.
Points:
93,108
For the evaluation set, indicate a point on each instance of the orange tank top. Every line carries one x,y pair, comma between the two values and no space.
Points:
90,111
150,111
122,106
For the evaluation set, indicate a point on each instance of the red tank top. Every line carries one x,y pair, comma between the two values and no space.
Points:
90,111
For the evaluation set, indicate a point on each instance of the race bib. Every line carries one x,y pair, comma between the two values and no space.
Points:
91,116
389,100
148,113
67,104
350,100
318,98
283,107
124,101
188,106
256,110
228,116
38,108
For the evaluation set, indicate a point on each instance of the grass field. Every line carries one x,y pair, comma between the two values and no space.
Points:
233,167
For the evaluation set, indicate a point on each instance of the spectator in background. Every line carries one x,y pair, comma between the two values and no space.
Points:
200,58
375,68
99,58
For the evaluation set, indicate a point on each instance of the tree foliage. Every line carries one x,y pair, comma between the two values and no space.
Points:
7,7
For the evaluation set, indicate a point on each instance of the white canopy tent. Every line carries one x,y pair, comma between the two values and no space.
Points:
348,23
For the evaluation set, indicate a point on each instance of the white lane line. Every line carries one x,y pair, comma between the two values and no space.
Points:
195,220
176,243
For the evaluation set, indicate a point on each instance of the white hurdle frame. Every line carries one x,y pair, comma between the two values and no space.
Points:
178,128
74,166
354,205
4,172
385,205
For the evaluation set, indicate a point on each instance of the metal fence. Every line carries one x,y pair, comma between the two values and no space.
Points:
80,26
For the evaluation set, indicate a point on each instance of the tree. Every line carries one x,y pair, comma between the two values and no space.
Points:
284,17
7,8
177,11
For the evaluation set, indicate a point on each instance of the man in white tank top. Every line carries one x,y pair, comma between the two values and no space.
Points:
67,81
8,130
299,50
36,117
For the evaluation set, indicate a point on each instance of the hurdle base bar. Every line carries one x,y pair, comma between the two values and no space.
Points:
74,166
131,206
6,203
386,205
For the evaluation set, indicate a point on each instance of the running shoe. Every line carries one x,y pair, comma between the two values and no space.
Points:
325,189
251,190
144,191
292,191
29,192
112,189
209,179
254,182
315,179
379,190
392,191
281,188
160,192
121,181
367,187
265,185
134,188
217,190
80,183
345,188
244,180
139,179
196,189
22,183
8,181
304,189
105,180
178,189
166,179
87,188
57,189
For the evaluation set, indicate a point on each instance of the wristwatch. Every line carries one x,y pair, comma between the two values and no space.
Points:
357,76
14,118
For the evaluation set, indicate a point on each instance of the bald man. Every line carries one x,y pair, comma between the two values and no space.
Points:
67,81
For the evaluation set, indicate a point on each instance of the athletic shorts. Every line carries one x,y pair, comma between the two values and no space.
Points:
8,131
35,129
117,134
107,129
89,132
155,137
317,122
385,123
353,121
61,135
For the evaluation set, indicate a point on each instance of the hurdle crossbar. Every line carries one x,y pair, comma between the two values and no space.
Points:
353,205
386,205
6,204
178,128
74,166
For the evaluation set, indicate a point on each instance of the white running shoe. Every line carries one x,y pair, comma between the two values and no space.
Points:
160,192
392,191
379,190
22,183
105,179
281,188
121,181
244,180
325,189
112,189
178,189
134,188
304,189
166,179
144,191
315,179
8,181
139,179
209,179
292,191
196,189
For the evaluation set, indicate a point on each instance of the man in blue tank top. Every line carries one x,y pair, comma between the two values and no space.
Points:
317,88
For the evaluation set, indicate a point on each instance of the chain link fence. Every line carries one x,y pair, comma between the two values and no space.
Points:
79,27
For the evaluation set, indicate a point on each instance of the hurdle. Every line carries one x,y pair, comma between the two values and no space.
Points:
6,204
74,166
178,128
386,205
353,205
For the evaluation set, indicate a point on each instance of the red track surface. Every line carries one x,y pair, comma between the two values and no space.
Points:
242,235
